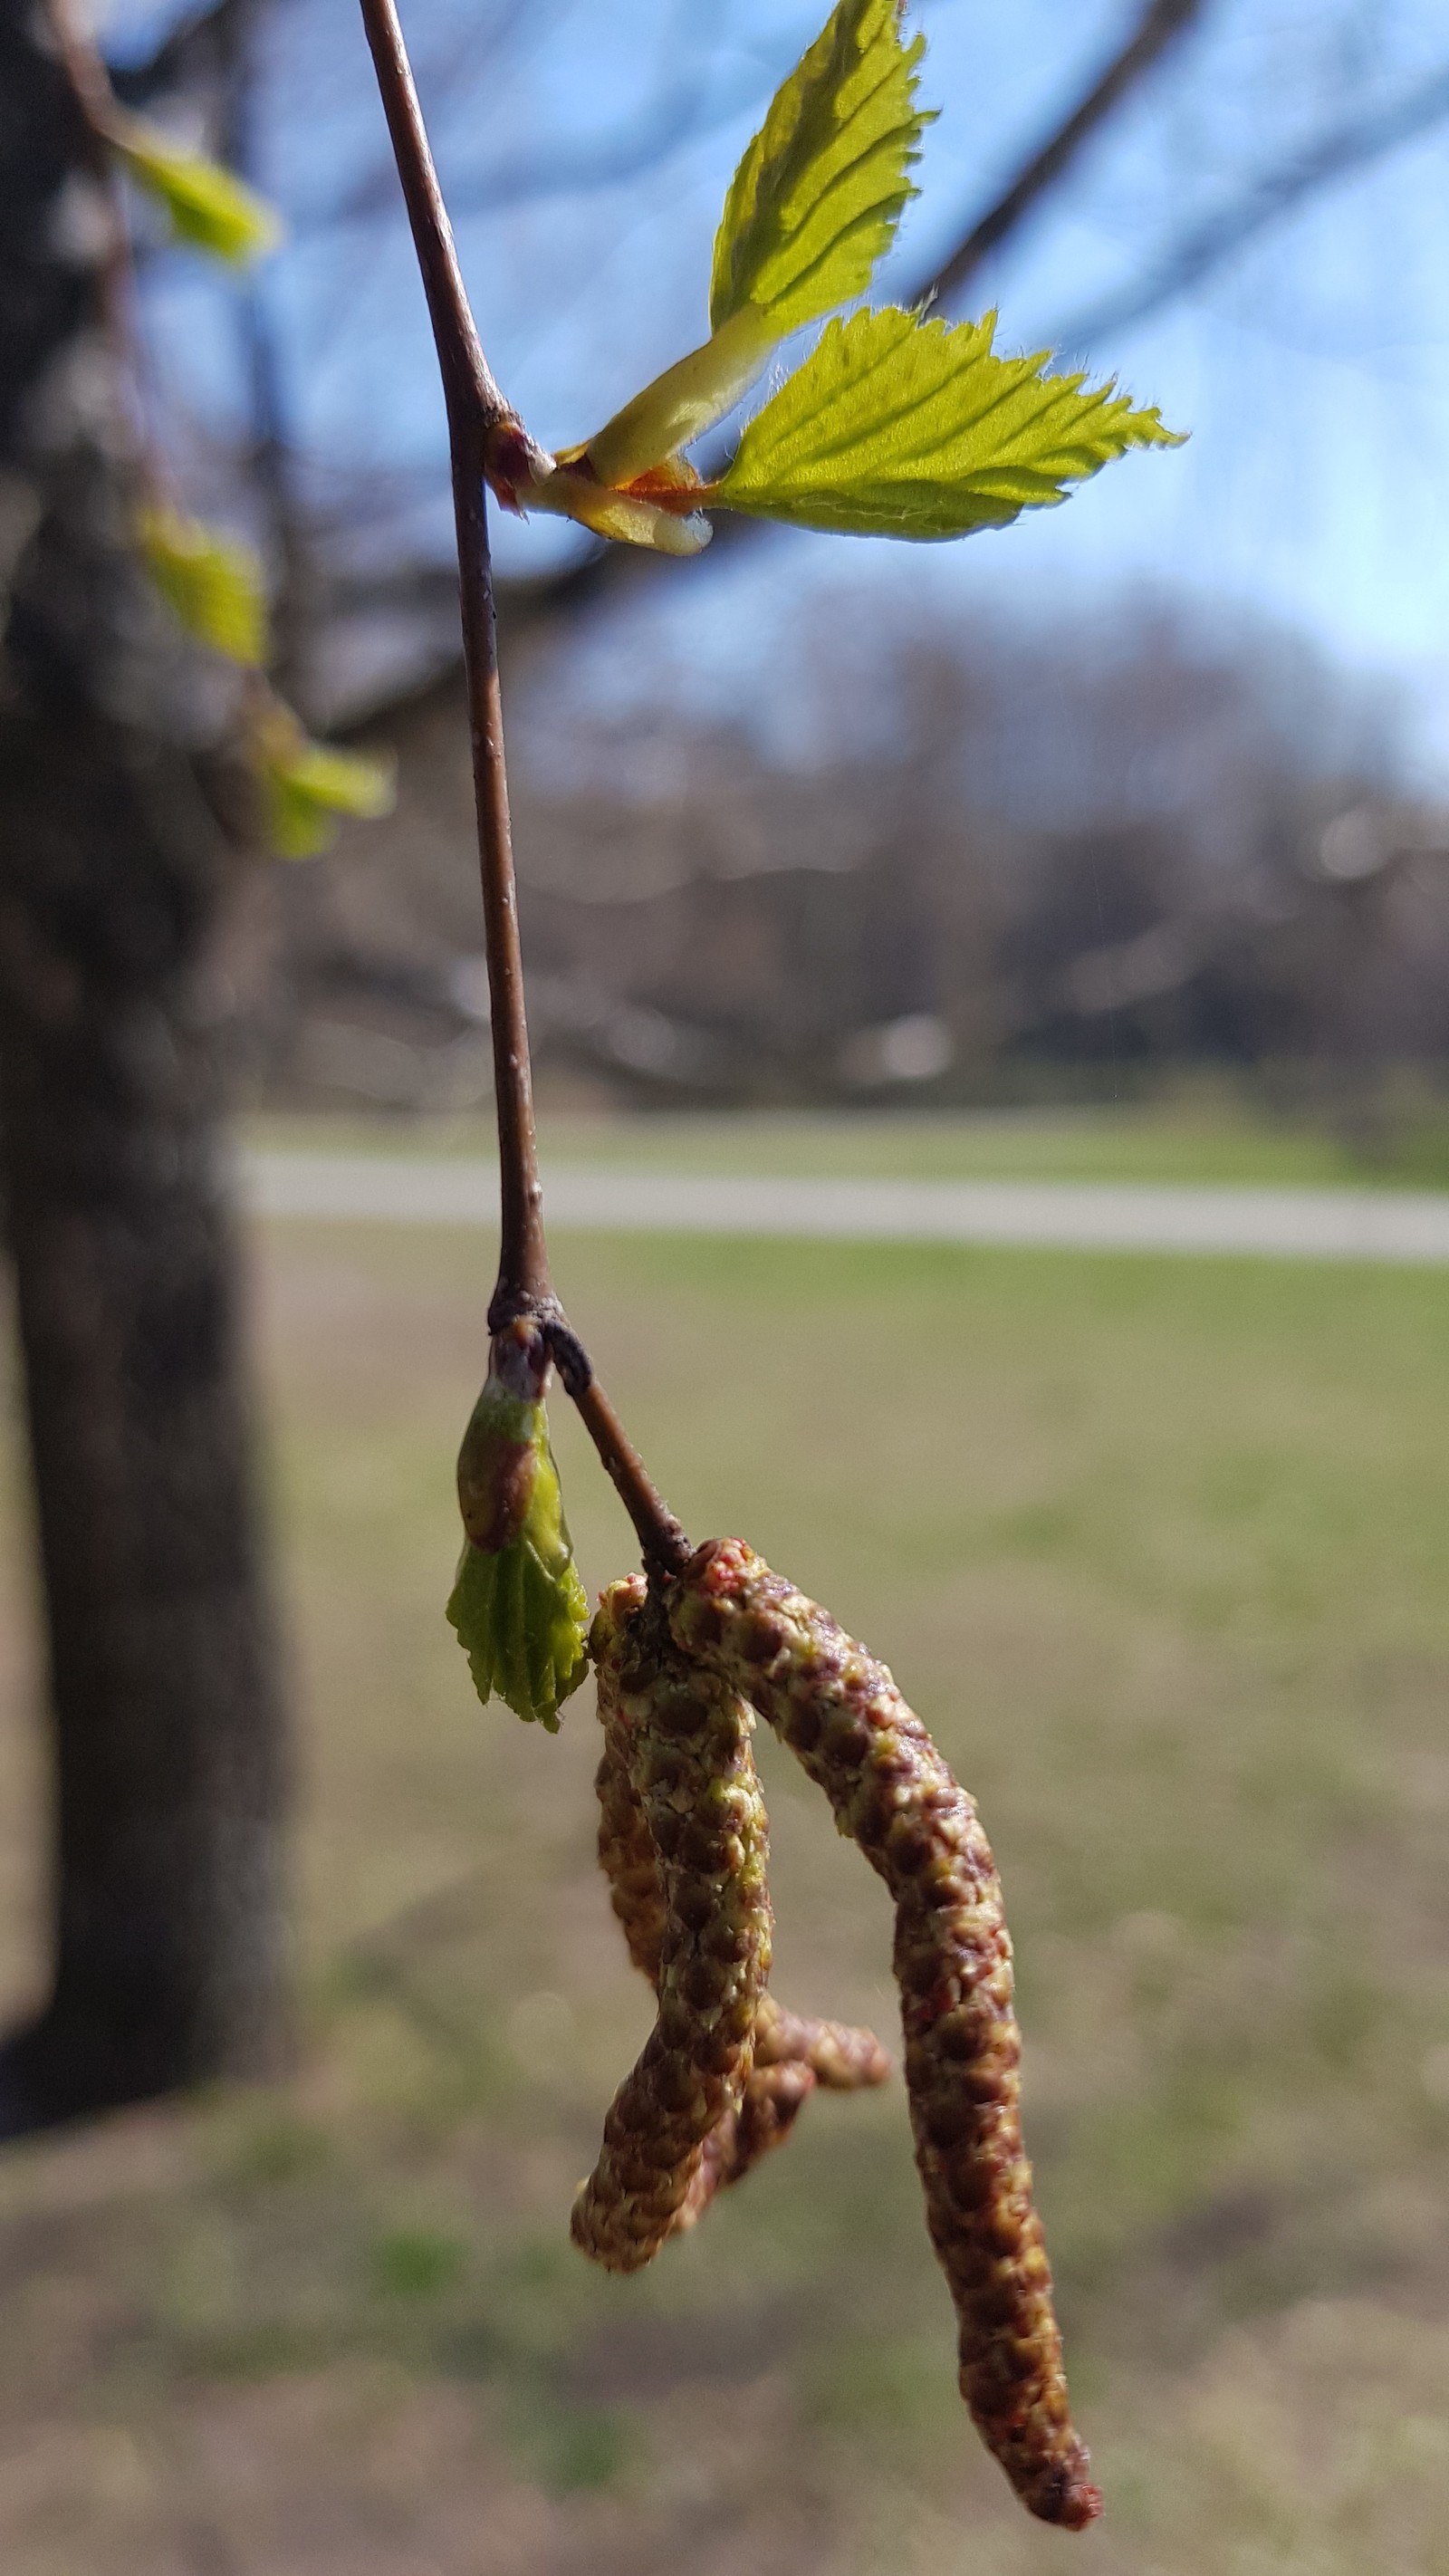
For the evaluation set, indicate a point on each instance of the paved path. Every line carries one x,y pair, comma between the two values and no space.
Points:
1096,1216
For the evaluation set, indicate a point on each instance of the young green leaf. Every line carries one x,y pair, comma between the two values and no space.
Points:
306,785
212,583
900,428
207,206
681,404
522,1628
519,1608
816,200
811,209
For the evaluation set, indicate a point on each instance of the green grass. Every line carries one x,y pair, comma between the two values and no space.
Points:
1203,1131
1159,1550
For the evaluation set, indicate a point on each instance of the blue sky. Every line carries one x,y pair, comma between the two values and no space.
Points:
1312,371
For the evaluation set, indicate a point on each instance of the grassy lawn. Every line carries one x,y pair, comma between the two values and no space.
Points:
1159,1549
1206,1131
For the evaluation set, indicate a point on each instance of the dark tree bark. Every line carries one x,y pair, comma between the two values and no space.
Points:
170,1765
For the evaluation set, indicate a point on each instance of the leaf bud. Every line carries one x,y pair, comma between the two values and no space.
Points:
517,1604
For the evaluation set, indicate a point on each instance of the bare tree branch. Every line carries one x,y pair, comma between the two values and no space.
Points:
1161,22
1205,246
677,116
189,53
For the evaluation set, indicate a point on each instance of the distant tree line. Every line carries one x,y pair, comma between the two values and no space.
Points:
1010,856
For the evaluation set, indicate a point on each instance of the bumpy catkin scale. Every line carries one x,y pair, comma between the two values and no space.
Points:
684,1735
841,2057
841,1714
792,2052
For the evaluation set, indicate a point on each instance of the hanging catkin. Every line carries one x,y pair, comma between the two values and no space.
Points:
682,1734
841,1714
792,2053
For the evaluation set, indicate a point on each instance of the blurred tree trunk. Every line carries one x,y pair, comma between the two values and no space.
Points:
170,1768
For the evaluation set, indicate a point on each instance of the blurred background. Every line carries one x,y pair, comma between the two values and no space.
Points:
1114,847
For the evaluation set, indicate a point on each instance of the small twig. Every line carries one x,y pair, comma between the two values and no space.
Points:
487,441
660,1536
477,411
88,78
91,87
1162,21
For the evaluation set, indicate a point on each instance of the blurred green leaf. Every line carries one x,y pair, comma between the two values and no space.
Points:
901,428
212,583
816,200
208,207
306,785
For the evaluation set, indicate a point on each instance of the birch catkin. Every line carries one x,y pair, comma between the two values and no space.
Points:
792,2052
682,1735
841,1714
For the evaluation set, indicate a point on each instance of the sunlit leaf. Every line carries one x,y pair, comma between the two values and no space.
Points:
306,785
208,207
212,583
816,200
900,428
811,209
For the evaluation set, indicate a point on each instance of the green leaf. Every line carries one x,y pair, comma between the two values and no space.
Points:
207,206
816,200
306,785
520,1610
896,427
212,583
812,207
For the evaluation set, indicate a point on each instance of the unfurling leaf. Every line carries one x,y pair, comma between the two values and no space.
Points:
812,207
208,207
895,427
212,583
684,402
518,1605
306,785
636,517
816,200
522,1628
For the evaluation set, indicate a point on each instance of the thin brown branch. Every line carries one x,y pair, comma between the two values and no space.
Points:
1351,145
486,437
465,369
476,413
1161,22
659,1533
89,80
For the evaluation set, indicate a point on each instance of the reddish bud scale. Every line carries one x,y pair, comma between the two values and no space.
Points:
791,2052
842,1716
683,1734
